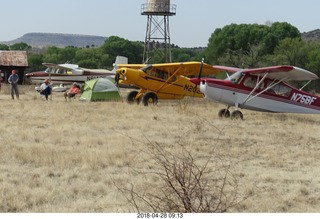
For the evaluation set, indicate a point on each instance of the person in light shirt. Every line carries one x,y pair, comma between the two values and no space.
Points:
13,81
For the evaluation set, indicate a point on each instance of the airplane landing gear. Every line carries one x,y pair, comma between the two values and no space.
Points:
237,114
149,97
224,113
131,97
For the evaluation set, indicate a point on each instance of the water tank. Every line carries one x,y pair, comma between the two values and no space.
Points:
162,7
158,5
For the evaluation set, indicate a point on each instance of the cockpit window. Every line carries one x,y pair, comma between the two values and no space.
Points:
55,70
279,89
154,72
249,82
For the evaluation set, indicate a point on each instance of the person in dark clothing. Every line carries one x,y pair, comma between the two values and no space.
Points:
45,88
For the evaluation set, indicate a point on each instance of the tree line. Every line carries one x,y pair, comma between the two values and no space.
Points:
237,45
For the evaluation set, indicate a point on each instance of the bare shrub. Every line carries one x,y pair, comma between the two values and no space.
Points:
182,182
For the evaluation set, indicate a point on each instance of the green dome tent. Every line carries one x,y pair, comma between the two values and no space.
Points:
100,89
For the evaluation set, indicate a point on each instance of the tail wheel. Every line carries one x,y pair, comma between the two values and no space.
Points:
149,97
224,113
236,115
131,97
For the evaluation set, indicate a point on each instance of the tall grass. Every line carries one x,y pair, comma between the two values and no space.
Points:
59,156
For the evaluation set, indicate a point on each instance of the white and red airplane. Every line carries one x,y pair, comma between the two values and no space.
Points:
261,89
70,73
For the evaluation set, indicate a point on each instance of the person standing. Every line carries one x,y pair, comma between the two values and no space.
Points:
13,81
0,79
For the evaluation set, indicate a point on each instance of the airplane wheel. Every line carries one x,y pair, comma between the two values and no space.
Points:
224,113
236,115
149,97
131,97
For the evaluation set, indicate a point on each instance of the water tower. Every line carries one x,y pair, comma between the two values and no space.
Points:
157,41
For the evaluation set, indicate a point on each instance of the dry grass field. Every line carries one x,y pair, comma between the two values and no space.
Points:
58,156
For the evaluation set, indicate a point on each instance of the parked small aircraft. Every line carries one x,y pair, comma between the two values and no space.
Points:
70,73
260,89
161,81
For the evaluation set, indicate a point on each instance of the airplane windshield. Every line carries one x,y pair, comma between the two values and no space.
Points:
146,68
235,78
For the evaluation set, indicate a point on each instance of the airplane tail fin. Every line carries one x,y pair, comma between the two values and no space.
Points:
119,60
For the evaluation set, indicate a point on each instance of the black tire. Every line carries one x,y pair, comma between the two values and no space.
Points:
149,97
131,97
237,114
224,113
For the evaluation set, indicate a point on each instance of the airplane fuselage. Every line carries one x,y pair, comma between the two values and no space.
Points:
165,88
287,99
38,77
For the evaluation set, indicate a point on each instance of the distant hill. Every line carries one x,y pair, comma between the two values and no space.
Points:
58,40
313,35
38,40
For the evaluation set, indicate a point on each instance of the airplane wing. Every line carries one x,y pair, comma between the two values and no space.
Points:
189,69
227,68
99,71
134,66
281,72
61,66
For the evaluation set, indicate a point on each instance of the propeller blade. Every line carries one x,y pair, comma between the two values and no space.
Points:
200,69
197,80
116,79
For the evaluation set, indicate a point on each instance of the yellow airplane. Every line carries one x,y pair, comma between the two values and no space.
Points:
162,81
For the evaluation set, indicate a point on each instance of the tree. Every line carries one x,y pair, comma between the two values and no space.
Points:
35,62
68,54
313,63
88,63
115,46
290,51
238,40
282,30
4,47
88,57
20,46
186,54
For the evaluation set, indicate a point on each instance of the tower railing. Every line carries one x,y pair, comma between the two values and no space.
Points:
168,10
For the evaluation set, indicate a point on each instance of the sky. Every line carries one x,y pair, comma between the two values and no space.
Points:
191,26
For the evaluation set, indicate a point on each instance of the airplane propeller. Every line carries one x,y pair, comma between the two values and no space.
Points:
116,79
197,80
200,69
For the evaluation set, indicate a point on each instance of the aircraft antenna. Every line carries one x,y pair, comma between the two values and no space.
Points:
157,38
